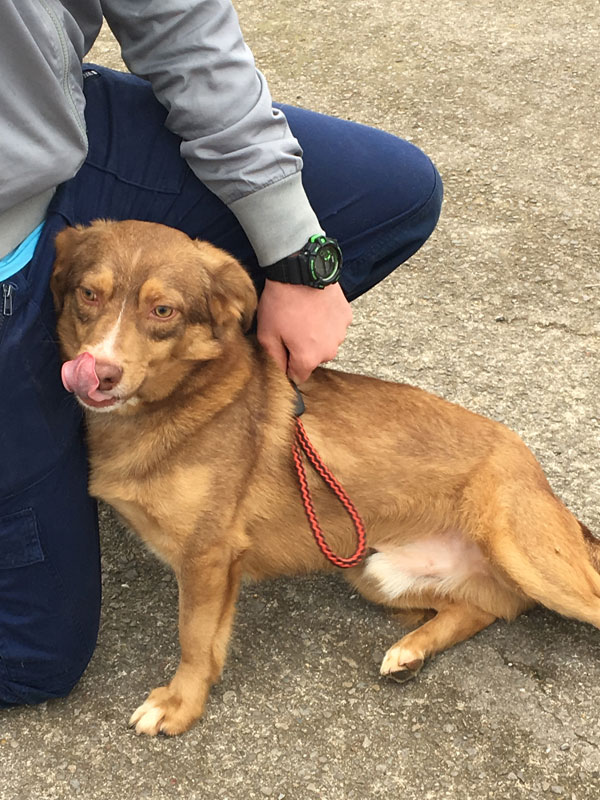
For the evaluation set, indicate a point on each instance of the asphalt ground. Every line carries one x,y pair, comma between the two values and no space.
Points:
500,312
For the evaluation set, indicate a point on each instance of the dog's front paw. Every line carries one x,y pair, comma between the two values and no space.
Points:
163,712
401,664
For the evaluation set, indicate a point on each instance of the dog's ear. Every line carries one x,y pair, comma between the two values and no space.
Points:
232,296
67,244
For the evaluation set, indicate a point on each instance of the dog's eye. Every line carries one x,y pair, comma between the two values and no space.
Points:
163,312
88,295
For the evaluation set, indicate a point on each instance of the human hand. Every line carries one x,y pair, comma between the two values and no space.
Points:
302,327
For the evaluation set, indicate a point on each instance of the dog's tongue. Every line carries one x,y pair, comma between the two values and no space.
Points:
79,376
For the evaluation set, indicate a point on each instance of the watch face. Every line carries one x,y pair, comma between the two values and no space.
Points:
326,262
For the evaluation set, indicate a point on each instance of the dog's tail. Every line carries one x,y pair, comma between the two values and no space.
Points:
592,544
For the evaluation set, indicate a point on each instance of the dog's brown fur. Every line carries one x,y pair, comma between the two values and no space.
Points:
199,464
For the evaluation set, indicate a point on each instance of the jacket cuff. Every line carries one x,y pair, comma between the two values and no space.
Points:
278,220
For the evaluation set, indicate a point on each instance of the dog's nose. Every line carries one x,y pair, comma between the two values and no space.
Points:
108,374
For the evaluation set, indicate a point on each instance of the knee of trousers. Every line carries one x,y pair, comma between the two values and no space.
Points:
50,587
433,206
426,197
47,634
48,630
410,229
29,687
419,226
403,199
377,252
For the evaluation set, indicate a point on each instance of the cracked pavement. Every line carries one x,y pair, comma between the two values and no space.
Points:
500,311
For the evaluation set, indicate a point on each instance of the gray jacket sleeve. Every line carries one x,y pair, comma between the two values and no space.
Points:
201,70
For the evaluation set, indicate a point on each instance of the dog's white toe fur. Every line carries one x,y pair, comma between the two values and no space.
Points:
147,718
396,659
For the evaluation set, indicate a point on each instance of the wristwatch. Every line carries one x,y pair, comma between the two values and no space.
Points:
318,264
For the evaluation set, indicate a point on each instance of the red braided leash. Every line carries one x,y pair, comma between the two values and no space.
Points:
302,444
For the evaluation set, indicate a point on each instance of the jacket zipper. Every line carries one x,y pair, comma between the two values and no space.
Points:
8,290
6,303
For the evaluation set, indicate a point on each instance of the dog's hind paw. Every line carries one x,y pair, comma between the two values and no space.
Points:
400,664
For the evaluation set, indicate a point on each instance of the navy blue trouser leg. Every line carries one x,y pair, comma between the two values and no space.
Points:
49,554
378,195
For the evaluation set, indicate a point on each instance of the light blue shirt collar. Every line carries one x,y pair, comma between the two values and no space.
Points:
21,255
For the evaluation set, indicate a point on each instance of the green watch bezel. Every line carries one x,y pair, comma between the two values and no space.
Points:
314,247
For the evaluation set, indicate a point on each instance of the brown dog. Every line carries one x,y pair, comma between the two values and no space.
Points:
193,448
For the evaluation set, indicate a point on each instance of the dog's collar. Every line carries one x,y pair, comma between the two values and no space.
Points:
299,408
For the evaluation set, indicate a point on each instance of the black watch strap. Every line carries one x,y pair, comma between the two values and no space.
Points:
288,270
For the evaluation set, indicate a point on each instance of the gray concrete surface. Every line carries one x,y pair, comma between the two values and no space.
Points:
500,311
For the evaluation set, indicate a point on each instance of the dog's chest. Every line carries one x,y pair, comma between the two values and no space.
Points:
164,510
153,534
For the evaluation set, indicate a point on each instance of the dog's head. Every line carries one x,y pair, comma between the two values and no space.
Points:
139,305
